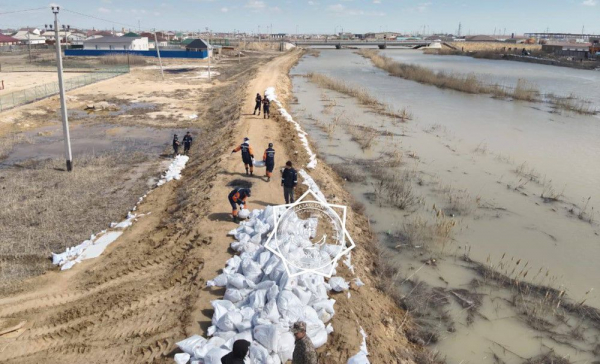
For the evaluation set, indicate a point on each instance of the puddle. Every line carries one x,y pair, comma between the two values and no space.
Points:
130,108
47,142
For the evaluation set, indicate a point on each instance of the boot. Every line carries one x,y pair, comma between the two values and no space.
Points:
246,171
236,219
268,179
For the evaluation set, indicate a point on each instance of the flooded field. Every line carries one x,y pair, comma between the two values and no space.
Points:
480,202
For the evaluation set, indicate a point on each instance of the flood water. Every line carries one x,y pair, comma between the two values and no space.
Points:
47,142
486,163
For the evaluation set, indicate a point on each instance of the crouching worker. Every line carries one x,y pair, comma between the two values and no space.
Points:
304,350
247,155
238,197
269,159
238,353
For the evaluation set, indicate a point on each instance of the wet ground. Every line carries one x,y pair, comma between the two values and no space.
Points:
487,184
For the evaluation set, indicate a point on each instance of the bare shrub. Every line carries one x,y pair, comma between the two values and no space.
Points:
523,170
363,96
525,91
364,136
394,189
573,104
460,203
350,172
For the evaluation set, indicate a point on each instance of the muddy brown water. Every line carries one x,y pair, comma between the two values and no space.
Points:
485,163
48,142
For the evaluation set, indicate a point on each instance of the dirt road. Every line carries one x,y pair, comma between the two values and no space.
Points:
148,289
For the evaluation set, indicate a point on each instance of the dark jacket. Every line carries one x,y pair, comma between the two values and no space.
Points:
247,152
238,195
269,157
187,140
258,98
289,177
266,103
175,142
237,355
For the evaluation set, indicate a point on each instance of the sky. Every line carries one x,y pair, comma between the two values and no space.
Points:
314,16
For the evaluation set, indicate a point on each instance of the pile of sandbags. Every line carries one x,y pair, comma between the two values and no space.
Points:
262,301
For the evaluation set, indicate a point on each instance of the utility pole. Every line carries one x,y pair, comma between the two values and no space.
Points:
162,74
209,52
29,43
63,100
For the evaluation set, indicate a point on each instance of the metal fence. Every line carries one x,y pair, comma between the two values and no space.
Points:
36,93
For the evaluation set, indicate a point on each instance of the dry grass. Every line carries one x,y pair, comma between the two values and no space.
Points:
47,210
350,172
453,81
394,189
523,90
8,142
573,104
122,59
364,136
363,96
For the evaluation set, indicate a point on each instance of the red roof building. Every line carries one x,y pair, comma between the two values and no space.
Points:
8,40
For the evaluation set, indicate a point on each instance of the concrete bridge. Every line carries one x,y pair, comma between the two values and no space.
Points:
338,44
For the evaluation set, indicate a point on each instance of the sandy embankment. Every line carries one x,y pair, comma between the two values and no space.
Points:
148,290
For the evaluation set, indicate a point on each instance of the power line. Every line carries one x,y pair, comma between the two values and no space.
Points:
101,19
21,11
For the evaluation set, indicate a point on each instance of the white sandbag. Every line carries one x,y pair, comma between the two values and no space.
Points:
191,344
259,164
214,356
318,337
234,295
251,270
338,284
326,305
285,346
244,325
225,335
303,294
182,358
270,312
243,214
246,335
267,336
221,307
360,358
228,321
257,299
258,353
213,342
219,281
289,306
237,280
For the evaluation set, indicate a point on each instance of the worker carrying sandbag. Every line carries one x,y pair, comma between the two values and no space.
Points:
175,145
187,142
258,104
269,159
238,197
266,105
247,155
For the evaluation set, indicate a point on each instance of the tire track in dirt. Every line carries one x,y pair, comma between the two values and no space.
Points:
134,302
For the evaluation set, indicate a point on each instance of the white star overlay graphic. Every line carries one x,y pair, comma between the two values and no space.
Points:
310,255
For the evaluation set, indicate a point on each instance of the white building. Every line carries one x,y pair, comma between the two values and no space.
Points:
117,43
26,37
